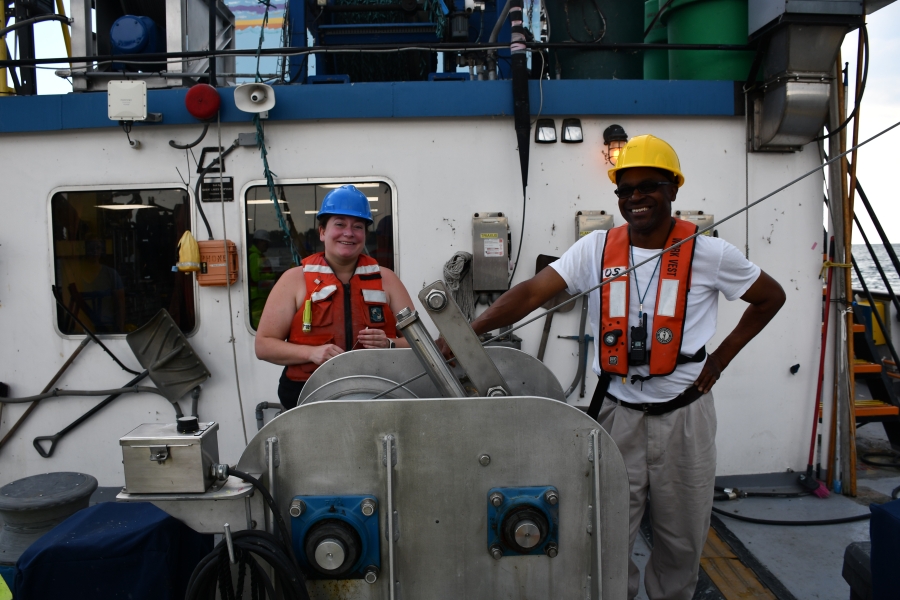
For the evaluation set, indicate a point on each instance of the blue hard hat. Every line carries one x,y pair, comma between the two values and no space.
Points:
346,200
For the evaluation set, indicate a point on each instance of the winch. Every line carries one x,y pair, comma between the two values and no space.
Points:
398,471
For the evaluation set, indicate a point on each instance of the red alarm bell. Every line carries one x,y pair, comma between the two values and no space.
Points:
202,101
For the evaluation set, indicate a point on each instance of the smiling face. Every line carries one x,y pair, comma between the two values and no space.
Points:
344,237
648,214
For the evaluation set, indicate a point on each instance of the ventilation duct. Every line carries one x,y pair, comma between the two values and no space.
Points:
798,42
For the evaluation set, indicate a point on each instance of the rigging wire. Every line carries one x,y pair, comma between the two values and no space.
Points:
178,57
861,91
664,250
231,340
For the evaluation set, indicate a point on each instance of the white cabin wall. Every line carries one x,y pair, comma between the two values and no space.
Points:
444,170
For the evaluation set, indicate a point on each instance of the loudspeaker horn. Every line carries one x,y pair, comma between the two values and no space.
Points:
254,97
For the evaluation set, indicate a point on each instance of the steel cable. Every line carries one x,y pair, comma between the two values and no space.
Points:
664,250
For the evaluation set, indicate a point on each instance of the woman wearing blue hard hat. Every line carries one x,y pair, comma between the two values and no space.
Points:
336,300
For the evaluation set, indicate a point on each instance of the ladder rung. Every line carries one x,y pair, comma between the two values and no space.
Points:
862,366
874,408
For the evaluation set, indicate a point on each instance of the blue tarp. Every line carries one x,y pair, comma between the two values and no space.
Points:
111,551
884,530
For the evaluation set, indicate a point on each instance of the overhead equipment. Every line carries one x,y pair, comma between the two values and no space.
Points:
799,42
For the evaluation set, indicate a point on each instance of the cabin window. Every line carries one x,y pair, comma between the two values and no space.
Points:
268,247
113,253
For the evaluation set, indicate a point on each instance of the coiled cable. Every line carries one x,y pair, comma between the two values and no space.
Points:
250,546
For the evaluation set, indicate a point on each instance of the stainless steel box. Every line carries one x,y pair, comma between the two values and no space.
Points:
490,252
159,460
587,221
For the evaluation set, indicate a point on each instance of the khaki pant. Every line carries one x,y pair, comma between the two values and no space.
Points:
672,458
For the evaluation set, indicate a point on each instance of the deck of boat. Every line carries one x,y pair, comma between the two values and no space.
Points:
746,560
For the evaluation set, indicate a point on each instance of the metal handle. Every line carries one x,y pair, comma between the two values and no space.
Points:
428,354
55,438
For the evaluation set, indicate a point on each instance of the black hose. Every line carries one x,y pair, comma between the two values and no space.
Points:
136,389
32,21
249,545
215,567
273,507
214,163
90,334
893,462
862,89
187,146
839,521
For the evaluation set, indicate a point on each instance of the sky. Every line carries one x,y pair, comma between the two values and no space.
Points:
880,107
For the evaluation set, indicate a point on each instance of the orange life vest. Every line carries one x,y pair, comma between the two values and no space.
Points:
332,322
666,333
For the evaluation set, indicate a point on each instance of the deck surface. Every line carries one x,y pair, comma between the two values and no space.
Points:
802,562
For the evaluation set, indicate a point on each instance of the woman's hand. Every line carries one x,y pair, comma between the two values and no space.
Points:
373,338
322,353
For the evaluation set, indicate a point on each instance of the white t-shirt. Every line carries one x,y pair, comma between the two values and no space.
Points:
718,267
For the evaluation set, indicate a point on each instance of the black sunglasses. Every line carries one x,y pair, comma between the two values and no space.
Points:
645,187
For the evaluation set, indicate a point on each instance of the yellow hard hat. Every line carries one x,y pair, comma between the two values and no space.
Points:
648,151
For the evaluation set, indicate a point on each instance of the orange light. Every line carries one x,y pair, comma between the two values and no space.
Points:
615,148
615,139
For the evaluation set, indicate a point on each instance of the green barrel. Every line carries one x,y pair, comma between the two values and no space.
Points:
656,62
708,22
580,21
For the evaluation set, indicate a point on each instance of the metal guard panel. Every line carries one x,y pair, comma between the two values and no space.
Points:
331,448
524,374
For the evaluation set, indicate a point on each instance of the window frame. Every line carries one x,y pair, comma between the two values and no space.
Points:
114,187
245,290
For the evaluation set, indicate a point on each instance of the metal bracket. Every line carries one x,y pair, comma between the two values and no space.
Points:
594,457
272,461
159,453
229,543
276,453
467,348
390,449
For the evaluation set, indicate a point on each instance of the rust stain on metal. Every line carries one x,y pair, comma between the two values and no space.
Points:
337,589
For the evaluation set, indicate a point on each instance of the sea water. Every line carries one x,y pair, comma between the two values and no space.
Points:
869,270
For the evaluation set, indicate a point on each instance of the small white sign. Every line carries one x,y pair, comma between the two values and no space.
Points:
493,248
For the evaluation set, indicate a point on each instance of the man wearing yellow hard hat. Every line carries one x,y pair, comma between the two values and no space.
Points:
656,376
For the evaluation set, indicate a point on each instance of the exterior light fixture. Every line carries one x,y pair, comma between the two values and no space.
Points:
615,138
545,132
571,131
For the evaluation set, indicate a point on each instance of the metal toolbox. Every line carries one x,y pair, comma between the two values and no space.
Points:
159,460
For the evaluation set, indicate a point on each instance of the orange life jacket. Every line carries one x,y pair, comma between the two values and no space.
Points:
667,330
332,322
